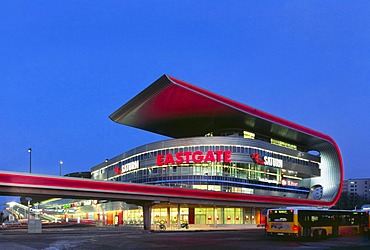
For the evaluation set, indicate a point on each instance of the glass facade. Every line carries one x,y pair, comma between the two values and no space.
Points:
240,175
120,213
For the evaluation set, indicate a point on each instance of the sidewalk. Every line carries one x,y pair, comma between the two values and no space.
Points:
203,227
129,228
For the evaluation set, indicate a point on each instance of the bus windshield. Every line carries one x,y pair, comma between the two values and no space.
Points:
281,216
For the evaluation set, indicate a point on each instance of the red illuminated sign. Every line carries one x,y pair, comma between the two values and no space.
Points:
289,183
195,157
257,159
118,170
267,161
127,167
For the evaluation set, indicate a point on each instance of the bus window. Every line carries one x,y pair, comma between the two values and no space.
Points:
281,216
314,218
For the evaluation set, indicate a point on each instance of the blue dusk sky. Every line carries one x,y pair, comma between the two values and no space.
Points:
65,66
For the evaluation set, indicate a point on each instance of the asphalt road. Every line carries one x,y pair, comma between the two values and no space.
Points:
115,238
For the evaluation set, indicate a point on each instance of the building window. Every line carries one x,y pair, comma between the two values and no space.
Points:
283,144
249,135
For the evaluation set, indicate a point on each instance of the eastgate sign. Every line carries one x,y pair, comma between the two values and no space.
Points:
267,161
194,157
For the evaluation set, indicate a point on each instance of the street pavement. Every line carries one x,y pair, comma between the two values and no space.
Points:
136,238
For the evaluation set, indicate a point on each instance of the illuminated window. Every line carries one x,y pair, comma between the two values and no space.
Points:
283,144
314,218
249,135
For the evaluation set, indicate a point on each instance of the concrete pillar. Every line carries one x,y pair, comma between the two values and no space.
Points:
215,217
253,216
168,217
243,215
178,216
147,214
223,215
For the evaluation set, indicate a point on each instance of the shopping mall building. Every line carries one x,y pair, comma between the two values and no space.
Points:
220,145
217,145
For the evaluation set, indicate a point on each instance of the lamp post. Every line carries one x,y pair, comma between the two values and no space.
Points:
30,151
28,199
60,168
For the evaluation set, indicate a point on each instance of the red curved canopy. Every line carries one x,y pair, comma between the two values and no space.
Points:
177,109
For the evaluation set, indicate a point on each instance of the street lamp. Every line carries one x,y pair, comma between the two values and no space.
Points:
60,168
30,151
28,199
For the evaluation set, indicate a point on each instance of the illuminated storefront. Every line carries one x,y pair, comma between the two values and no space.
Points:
220,145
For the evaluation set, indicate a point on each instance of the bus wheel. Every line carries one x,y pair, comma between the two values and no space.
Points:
324,234
315,234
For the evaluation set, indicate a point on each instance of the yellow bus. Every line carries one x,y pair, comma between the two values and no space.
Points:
315,222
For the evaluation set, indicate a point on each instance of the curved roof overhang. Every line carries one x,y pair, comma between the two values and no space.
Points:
177,109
